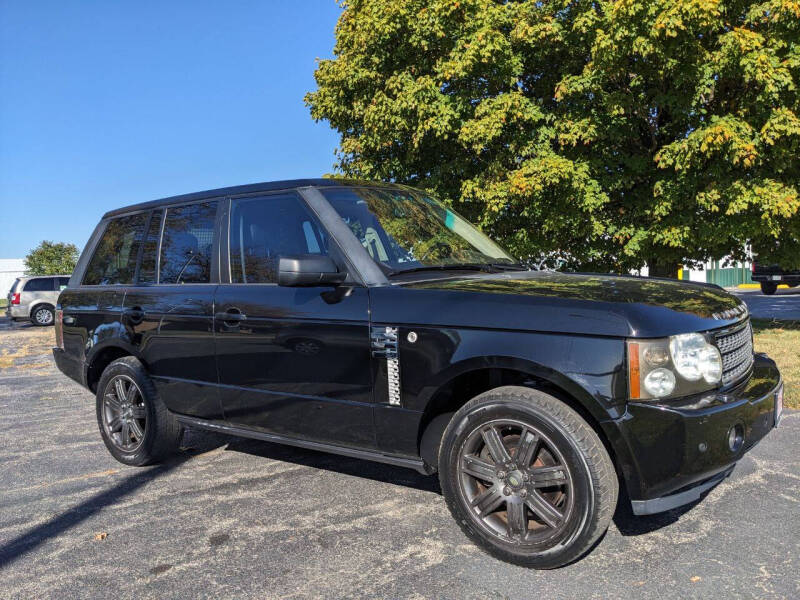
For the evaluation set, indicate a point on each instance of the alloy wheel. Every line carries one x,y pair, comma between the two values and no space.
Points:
516,483
124,414
43,316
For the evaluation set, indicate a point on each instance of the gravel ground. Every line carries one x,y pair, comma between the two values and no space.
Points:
233,518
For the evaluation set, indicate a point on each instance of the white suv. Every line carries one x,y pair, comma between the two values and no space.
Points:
35,298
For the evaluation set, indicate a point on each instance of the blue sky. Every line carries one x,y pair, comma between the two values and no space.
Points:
104,104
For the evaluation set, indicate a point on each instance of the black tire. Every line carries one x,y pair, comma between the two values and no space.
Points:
161,432
586,499
43,315
768,288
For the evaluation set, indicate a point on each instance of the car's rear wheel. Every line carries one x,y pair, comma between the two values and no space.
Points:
135,425
526,477
43,315
768,288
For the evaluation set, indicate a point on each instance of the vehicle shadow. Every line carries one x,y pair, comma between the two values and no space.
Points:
626,522
338,464
26,542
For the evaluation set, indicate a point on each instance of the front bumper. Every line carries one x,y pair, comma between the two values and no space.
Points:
680,450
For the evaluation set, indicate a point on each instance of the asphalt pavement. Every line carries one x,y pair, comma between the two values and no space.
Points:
784,304
243,519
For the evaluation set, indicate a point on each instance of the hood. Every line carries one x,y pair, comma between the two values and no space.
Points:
575,303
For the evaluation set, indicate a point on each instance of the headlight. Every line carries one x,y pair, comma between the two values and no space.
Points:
671,367
694,358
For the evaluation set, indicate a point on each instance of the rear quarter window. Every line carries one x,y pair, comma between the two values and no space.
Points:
42,284
114,260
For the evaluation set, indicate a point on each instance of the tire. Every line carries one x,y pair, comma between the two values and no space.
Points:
768,288
43,315
156,432
564,464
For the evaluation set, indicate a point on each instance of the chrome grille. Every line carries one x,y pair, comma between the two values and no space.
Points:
736,347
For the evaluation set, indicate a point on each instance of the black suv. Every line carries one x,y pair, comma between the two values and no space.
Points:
372,321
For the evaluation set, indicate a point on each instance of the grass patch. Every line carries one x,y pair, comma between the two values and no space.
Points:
3,302
781,340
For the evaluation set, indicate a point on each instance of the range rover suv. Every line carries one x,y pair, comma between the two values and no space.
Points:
371,321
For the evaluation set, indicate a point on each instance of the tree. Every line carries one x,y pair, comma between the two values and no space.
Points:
607,134
51,258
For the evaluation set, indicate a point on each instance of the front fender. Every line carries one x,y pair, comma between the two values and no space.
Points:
589,369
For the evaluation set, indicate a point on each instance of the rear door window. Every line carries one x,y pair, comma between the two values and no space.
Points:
42,284
62,282
114,260
187,243
264,229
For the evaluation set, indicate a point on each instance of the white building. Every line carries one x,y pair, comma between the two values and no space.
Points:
10,269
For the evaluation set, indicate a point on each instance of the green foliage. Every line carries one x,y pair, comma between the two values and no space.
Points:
604,133
51,258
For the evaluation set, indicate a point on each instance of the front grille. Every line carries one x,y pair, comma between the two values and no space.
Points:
736,347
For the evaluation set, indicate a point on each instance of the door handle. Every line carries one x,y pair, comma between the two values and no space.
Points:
67,320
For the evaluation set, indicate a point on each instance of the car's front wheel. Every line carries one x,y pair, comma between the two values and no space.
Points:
526,477
135,425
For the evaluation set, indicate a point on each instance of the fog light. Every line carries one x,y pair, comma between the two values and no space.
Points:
735,438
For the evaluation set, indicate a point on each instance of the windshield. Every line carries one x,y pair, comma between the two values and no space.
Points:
405,230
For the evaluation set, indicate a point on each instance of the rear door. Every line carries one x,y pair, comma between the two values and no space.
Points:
168,314
291,360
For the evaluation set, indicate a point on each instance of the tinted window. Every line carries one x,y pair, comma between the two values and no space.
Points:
263,229
39,285
147,270
187,242
14,285
114,261
62,282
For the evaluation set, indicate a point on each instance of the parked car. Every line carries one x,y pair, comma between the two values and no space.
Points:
771,276
34,298
372,321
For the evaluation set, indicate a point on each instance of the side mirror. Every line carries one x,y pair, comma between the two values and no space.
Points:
308,270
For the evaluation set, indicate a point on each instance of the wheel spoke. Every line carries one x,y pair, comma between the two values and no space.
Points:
496,446
119,387
113,402
115,424
528,448
138,412
125,434
131,394
488,500
517,519
477,467
543,509
136,430
547,476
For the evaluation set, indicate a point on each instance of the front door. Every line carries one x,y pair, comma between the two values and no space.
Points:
292,361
